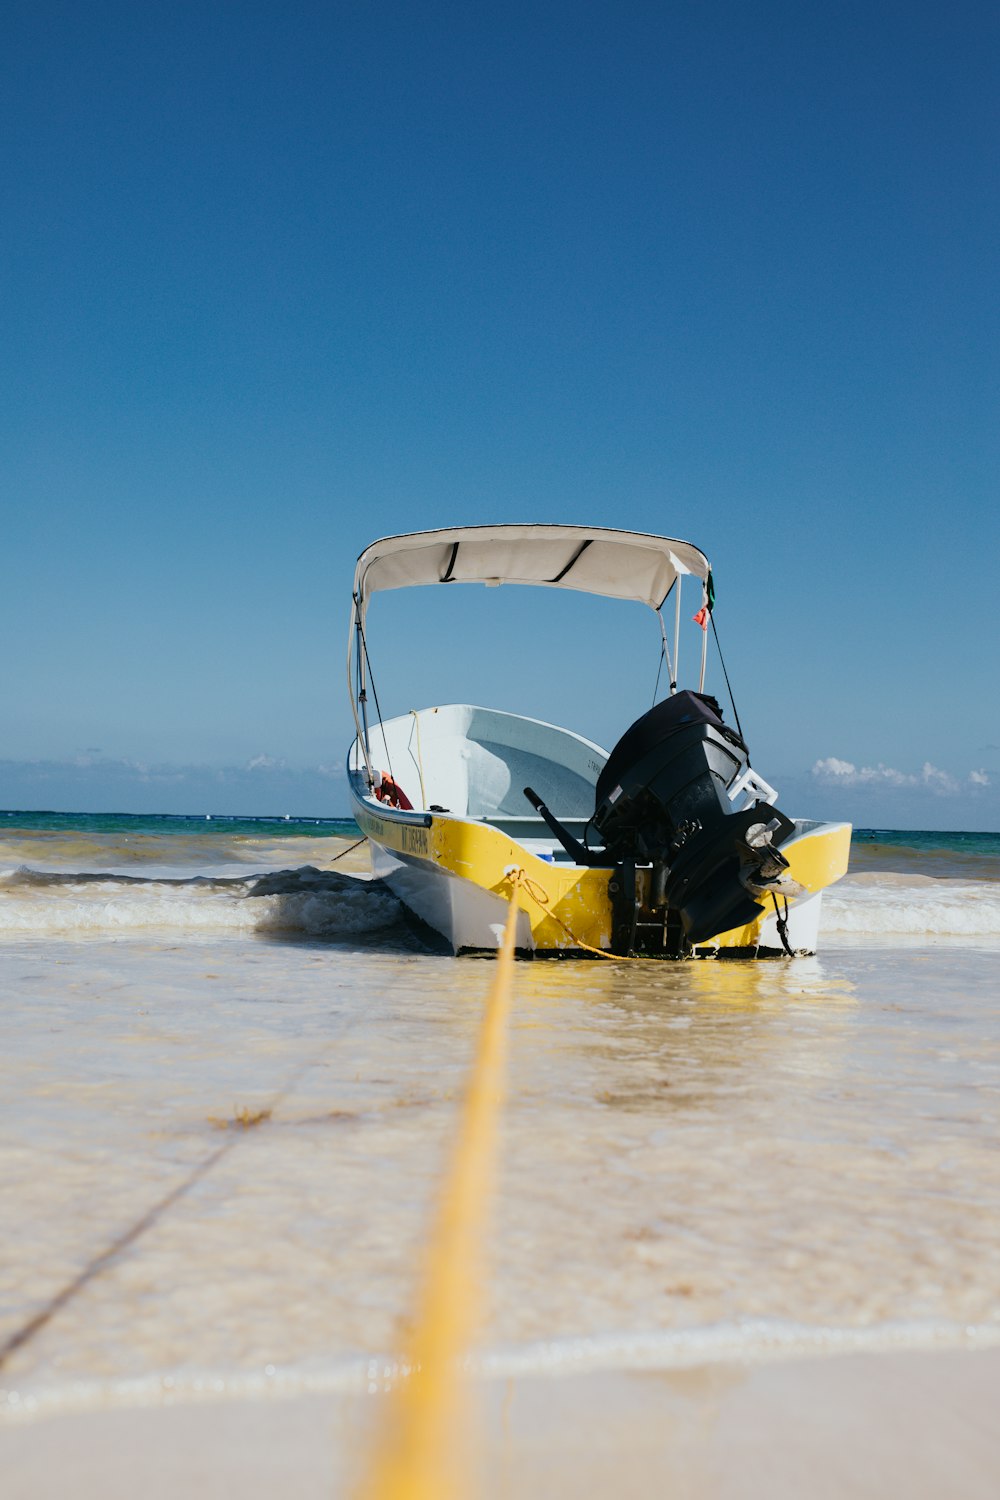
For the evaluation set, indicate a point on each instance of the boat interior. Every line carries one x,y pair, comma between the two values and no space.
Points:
475,763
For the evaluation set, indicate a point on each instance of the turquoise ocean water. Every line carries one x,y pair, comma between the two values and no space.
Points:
870,844
173,824
190,839
916,839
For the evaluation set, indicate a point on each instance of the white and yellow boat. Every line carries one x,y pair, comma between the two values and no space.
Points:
669,846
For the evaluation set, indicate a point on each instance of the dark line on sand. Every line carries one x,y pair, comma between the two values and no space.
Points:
100,1262
124,1241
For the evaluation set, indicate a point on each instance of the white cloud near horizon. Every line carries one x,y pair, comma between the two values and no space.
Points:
831,770
94,783
266,785
93,761
264,762
836,772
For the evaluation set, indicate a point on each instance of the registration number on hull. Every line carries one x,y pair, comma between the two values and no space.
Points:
393,835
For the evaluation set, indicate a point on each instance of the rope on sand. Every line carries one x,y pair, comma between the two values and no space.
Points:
356,845
416,1457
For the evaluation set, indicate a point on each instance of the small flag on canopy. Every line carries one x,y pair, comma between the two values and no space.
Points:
708,604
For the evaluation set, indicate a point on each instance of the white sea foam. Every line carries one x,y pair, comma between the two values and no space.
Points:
308,901
750,1340
873,906
328,904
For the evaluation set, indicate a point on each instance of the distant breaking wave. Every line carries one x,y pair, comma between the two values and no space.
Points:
915,905
747,1341
316,903
328,904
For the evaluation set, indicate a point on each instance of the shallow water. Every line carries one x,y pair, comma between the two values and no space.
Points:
697,1159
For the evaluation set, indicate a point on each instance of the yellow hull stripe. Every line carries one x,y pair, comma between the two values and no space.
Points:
578,897
815,860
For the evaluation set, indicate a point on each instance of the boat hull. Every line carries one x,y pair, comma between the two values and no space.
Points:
453,873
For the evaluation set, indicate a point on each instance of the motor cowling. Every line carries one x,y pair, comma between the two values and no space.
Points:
663,800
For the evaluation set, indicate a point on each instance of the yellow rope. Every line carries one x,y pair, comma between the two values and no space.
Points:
418,1455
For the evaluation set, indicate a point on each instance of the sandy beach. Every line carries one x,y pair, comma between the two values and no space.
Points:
921,1424
745,1237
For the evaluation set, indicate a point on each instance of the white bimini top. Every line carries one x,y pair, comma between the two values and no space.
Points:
592,559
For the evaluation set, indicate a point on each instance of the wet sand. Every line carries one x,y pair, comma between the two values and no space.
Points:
922,1425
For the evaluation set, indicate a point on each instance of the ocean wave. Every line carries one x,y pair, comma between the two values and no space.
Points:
917,905
744,1341
317,903
69,850
328,903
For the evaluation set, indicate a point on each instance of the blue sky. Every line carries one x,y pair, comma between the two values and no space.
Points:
278,281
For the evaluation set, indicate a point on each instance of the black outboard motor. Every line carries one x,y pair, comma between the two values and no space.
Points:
663,800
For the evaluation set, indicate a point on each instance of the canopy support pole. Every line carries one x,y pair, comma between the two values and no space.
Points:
677,635
359,696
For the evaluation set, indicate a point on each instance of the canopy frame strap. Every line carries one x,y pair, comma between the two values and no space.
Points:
572,562
666,656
